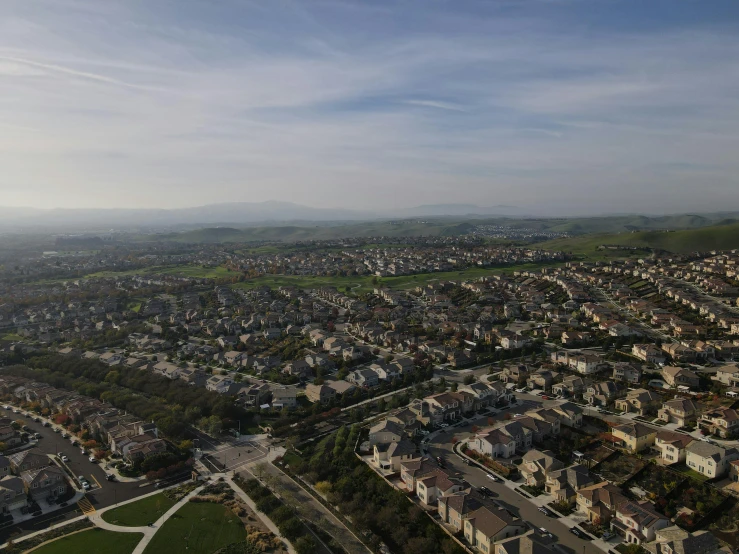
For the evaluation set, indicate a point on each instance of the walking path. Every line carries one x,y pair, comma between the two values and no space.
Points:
268,522
148,531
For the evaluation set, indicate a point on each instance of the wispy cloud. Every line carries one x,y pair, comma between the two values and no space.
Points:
543,104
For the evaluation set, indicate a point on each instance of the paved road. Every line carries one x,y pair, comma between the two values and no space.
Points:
503,496
106,494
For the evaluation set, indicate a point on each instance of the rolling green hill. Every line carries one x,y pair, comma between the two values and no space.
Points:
445,227
717,237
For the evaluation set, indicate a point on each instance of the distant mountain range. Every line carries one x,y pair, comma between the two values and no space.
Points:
233,213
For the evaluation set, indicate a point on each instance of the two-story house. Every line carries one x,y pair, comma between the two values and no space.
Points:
709,459
723,422
536,466
640,401
284,398
672,446
571,386
638,522
563,484
12,494
219,383
630,373
47,482
484,527
322,394
599,502
680,377
386,431
391,455
635,437
682,411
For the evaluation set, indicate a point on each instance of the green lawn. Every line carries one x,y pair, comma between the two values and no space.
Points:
359,284
139,513
93,541
198,528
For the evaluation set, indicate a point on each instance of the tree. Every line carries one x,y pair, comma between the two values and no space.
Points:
454,387
469,379
3,446
305,545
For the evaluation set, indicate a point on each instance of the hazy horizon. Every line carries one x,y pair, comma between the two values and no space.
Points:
569,107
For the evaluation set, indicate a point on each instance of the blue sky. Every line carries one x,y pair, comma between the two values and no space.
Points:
556,106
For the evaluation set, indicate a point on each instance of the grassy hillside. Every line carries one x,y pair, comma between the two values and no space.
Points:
445,227
717,237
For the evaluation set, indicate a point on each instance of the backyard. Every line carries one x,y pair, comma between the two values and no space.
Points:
197,527
93,541
657,481
620,468
139,513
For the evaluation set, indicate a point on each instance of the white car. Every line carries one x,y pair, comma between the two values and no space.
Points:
92,459
64,458
443,425
493,477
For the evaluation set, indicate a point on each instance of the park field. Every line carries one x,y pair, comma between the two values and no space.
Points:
364,283
92,541
139,513
197,528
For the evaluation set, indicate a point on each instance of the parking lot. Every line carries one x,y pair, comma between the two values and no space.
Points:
102,493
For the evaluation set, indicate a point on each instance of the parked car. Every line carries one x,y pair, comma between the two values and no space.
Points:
86,486
64,458
110,477
93,459
493,477
485,491
545,533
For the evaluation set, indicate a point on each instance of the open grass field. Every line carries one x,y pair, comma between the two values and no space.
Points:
197,528
139,513
363,283
718,237
93,541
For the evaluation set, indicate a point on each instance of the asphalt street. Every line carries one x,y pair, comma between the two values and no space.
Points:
441,445
102,494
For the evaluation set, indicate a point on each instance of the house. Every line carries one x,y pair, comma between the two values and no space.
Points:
363,378
284,398
27,461
391,455
599,502
428,481
709,459
728,375
537,465
498,442
674,540
522,545
571,385
635,436
12,494
648,353
672,446
298,368
570,414
723,422
258,395
515,374
4,466
319,393
682,411
563,484
542,379
386,431
638,522
453,509
47,482
139,447
602,394
340,386
484,527
219,383
624,371
641,401
678,376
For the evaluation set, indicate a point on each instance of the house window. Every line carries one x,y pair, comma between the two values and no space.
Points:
61,490
35,485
